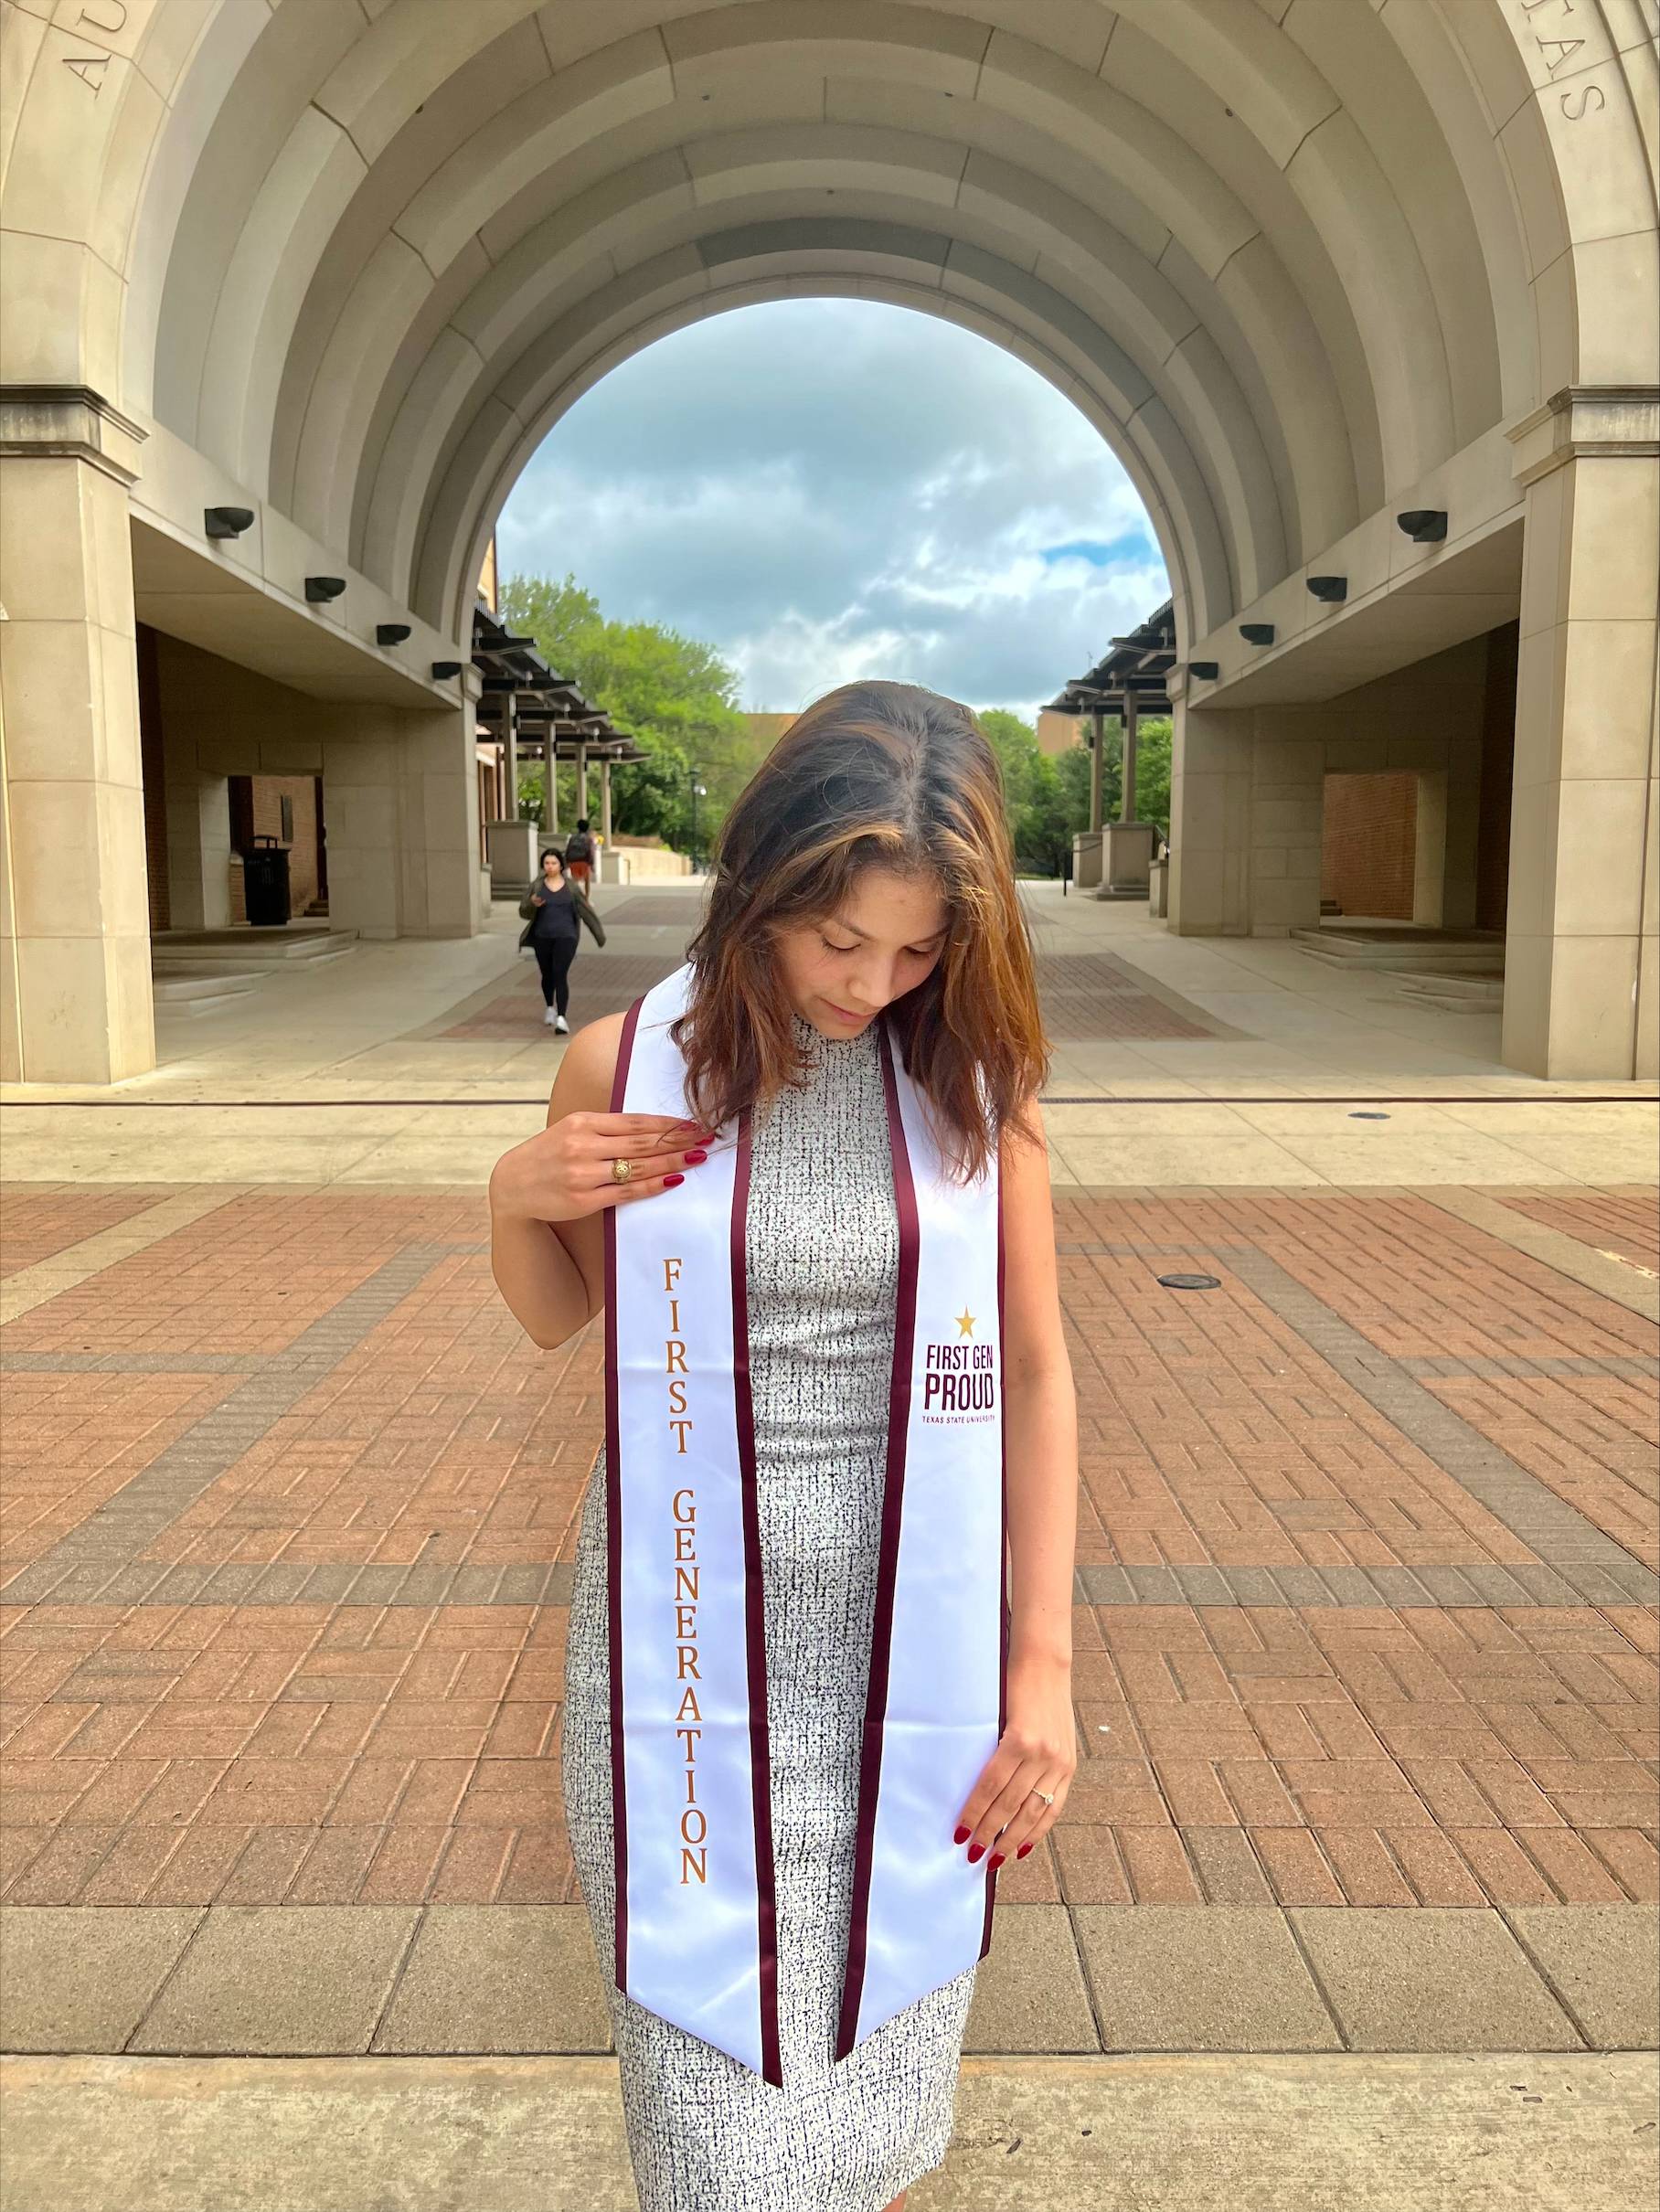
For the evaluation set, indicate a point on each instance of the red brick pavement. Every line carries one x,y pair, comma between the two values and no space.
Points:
1623,1221
333,1753
43,1220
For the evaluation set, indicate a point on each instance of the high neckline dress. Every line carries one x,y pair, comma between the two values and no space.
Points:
705,2133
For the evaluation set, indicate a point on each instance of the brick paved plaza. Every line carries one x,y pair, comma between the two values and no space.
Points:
1366,1627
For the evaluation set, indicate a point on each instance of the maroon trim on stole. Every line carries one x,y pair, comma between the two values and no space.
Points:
991,1878
613,1529
893,1498
755,1629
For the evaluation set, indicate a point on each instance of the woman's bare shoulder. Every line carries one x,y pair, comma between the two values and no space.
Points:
589,1069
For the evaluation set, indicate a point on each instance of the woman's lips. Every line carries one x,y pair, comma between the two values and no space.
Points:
843,1015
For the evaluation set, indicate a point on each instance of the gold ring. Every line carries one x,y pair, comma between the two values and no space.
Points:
621,1170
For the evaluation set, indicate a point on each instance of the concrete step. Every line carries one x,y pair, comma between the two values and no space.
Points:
1424,952
1470,989
300,943
183,986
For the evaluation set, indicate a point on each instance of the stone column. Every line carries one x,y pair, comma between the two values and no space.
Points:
1580,977
400,797
605,801
1126,811
510,806
1098,743
74,905
1247,806
581,781
1210,788
1287,820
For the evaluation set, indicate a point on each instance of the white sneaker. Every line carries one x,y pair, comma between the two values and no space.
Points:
549,1016
562,1027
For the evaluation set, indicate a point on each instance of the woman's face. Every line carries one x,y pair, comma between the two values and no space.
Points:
881,941
553,868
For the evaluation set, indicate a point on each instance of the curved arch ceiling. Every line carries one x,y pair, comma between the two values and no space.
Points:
376,258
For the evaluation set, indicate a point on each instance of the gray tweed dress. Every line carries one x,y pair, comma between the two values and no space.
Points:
705,2133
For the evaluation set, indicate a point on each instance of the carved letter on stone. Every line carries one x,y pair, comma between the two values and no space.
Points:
109,29
84,63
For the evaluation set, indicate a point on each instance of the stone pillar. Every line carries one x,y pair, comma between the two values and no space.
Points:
550,789
198,847
400,797
1580,974
74,905
605,801
1287,819
1210,793
1247,806
1126,811
1098,745
510,802
581,781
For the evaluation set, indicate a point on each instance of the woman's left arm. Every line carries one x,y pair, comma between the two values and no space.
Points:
1038,1748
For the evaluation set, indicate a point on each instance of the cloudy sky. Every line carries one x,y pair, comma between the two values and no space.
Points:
832,488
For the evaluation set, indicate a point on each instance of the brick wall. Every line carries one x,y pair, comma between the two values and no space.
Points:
1369,843
268,791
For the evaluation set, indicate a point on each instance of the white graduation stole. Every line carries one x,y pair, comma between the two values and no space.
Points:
696,1940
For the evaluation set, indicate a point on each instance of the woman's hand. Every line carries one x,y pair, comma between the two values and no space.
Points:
564,1172
1038,1751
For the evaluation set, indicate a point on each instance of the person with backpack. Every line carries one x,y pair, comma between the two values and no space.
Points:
580,854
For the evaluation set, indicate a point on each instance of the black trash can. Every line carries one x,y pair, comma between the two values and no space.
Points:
265,884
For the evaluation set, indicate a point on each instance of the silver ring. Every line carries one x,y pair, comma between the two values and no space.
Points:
621,1170
1048,1795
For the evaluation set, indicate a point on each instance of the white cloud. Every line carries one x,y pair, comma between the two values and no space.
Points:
832,488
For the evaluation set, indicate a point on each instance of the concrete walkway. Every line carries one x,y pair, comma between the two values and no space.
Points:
1179,1063
1149,2134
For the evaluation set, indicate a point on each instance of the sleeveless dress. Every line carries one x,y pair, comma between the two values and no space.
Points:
705,2133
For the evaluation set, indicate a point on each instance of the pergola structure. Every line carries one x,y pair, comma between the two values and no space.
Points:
1114,860
533,713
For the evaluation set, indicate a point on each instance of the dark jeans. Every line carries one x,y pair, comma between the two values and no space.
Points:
554,956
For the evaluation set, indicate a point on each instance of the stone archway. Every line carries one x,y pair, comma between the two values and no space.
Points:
1305,264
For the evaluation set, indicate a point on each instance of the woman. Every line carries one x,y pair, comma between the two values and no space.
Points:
807,1719
551,909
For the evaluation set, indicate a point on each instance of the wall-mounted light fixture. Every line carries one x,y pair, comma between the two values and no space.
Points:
320,590
390,634
1257,633
443,672
1329,588
1205,671
1424,526
227,522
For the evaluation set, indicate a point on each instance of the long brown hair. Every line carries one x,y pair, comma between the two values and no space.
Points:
887,774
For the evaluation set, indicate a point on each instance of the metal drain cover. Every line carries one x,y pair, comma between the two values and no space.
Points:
1191,1282
1368,1117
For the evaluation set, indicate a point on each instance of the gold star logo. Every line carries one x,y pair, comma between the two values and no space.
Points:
965,1322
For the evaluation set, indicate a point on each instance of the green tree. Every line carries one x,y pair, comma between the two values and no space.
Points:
673,693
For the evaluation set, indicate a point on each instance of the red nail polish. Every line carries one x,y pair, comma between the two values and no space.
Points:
996,1861
669,1181
1023,1850
976,1852
961,1836
696,1159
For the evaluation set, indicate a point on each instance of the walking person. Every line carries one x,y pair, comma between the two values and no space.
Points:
579,848
805,1179
553,912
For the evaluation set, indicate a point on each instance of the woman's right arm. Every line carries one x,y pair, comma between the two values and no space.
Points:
548,1194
